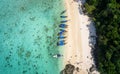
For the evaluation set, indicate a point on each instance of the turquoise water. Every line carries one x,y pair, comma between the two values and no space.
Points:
28,36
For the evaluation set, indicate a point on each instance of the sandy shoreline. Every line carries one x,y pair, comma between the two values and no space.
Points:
77,50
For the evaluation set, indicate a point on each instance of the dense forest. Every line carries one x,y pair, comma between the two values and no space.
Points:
106,15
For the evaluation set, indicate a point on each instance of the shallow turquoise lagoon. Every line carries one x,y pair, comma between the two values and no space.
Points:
28,36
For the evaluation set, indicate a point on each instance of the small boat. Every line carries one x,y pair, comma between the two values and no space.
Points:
64,21
61,37
57,56
63,12
63,25
62,30
61,43
63,16
60,33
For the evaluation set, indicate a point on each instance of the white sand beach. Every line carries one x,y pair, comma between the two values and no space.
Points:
77,50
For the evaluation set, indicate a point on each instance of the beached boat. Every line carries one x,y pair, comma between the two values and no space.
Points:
62,32
61,43
64,21
63,25
57,55
63,16
63,12
61,37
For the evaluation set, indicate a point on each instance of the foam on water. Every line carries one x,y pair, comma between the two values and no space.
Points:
28,36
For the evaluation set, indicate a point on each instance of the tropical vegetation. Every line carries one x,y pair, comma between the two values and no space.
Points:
106,15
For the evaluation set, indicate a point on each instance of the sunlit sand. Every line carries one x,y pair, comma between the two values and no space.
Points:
78,50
